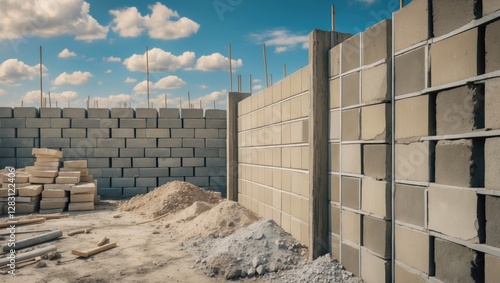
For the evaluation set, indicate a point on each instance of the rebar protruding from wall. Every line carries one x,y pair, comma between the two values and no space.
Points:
284,70
333,17
265,63
250,84
165,99
230,70
41,76
147,73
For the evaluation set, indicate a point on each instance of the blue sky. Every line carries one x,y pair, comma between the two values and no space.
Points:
96,48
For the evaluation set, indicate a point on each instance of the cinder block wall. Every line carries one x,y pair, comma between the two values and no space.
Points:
274,153
129,151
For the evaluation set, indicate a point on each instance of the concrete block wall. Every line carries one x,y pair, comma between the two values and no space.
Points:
129,151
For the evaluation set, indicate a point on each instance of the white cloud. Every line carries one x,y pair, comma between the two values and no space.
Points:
99,83
168,82
216,62
281,39
130,80
366,2
65,54
109,71
49,18
159,61
114,100
112,59
203,86
13,70
257,87
141,88
256,81
34,96
162,23
76,78
220,98
2,92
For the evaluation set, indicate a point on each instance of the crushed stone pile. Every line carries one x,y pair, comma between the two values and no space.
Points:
169,199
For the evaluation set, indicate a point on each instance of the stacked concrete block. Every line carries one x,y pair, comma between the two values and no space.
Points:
490,6
463,12
411,67
492,39
467,264
411,24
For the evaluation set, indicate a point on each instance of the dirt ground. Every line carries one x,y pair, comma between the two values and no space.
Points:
145,253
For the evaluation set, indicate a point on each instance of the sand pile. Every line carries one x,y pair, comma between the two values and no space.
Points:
191,212
168,199
223,219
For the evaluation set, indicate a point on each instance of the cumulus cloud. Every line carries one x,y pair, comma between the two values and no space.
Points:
366,2
216,62
65,54
203,86
34,96
130,80
109,71
281,39
49,18
13,70
2,92
162,23
76,78
112,59
168,82
159,61
257,87
113,101
207,101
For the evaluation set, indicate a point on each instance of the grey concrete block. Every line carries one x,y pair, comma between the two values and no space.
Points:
146,182
111,143
193,123
109,192
351,125
96,173
23,162
334,188
170,123
169,113
54,142
218,181
121,162
334,61
463,12
455,58
49,133
376,197
210,171
80,153
183,133
460,110
334,160
376,84
130,192
216,143
215,114
335,221
152,123
410,204
403,275
351,192
37,123
222,133
350,258
170,142
131,172
193,162
4,162
169,162
74,113
198,181
108,123
410,72
490,6
123,133
492,88
222,152
456,263
8,152
414,117
133,123
157,152
376,122
411,24
182,152
98,133
412,248
191,113
74,133
105,152
147,142
103,182
60,122
216,161
350,53
216,124
85,123
13,123
24,152
83,142
25,112
413,161
377,236
375,269
50,112
6,112
182,172
146,113
350,90
21,133
98,162
377,42
154,172
196,143
492,41
164,180
144,162
491,268
154,133
460,163
492,209
132,152
122,113
206,133
377,161
98,113
111,172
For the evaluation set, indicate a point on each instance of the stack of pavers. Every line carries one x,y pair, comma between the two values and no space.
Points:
17,184
83,193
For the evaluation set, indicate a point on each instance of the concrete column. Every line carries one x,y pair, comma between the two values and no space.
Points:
232,143
319,45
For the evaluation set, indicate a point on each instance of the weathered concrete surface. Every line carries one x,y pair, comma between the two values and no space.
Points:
334,88
377,42
453,212
491,269
351,124
377,161
492,89
334,157
351,53
413,161
334,67
334,188
492,41
350,192
412,248
455,58
413,116
376,84
335,247
350,89
448,16
376,122
459,163
411,24
351,229
490,6
456,263
335,219
350,258
492,163
410,72
410,204
351,158
376,197
374,269
404,276
459,110
377,236
492,208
